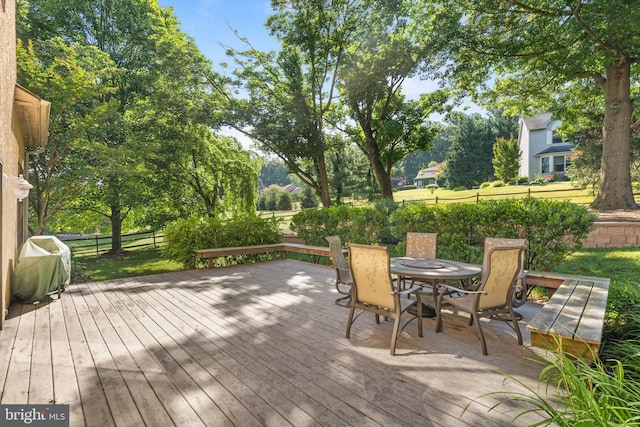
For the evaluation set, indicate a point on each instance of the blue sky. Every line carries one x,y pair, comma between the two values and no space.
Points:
212,22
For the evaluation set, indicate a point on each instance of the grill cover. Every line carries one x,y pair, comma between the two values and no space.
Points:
44,265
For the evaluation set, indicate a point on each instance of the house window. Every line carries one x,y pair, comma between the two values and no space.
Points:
567,161
558,163
544,165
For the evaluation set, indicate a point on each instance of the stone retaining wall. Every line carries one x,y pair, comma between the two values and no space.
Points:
613,235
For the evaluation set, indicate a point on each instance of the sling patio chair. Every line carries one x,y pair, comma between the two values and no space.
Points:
420,245
344,281
494,294
373,290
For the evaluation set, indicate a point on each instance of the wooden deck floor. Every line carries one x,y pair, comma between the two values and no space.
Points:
258,344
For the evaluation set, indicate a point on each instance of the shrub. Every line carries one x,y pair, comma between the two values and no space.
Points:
498,184
432,187
184,236
363,224
284,202
486,184
459,188
79,271
553,228
309,199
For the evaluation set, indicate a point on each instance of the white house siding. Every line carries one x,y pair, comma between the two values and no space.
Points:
536,135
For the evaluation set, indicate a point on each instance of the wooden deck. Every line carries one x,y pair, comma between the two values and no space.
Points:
250,345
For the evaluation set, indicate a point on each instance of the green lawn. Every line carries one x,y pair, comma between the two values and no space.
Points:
138,262
555,190
618,264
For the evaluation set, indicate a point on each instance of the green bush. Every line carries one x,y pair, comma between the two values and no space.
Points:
485,184
309,199
184,236
353,224
79,271
553,228
284,202
460,188
498,184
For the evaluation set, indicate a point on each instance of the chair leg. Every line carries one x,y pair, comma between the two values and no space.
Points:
514,319
394,336
350,321
482,340
438,313
419,302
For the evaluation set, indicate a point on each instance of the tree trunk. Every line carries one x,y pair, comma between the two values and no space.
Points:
615,190
323,189
116,230
382,176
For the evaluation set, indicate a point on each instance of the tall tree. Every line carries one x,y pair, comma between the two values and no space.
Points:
154,67
506,158
123,30
291,93
70,77
382,55
274,172
468,162
544,48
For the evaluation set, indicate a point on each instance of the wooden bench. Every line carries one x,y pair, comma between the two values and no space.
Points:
551,280
283,248
573,317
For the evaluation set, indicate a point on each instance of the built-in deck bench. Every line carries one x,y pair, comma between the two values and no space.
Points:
283,248
573,317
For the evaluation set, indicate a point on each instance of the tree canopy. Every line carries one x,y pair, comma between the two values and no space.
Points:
556,55
134,108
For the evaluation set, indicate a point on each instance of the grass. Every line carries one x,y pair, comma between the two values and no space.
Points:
138,262
618,264
550,190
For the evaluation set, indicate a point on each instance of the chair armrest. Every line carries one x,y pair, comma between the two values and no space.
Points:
407,291
459,290
522,275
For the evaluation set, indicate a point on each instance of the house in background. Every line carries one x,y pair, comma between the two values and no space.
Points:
426,177
24,121
541,152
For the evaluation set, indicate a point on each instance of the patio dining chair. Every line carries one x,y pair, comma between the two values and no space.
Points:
520,290
494,294
344,281
373,291
419,245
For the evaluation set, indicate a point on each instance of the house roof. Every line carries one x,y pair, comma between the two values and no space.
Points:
539,121
427,173
565,147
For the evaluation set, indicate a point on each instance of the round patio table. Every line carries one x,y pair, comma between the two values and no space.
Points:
433,269
429,271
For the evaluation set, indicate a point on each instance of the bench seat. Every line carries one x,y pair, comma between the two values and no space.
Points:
573,317
283,248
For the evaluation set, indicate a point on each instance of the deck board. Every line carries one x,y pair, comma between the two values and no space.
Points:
256,344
